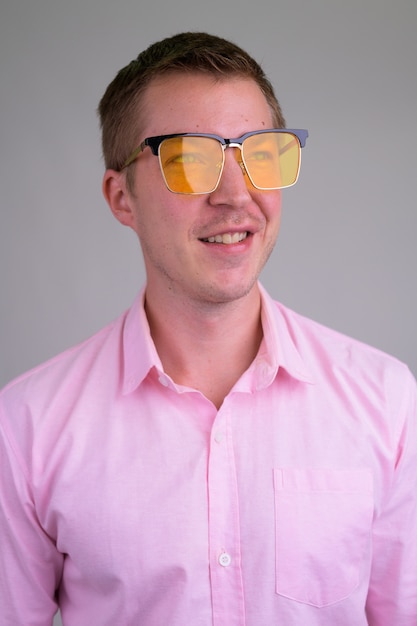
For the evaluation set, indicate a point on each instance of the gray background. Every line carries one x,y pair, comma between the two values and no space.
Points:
346,70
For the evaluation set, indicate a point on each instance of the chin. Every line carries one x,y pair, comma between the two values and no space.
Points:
223,294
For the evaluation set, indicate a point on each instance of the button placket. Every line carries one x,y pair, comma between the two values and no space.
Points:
224,529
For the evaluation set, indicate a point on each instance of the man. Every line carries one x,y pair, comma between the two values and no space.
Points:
210,458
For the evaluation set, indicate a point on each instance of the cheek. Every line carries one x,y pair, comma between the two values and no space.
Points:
157,227
272,208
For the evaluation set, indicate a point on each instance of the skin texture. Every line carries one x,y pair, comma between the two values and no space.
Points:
199,291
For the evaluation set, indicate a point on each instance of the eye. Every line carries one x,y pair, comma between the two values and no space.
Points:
188,158
259,155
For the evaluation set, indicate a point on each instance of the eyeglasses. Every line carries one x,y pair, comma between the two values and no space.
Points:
192,163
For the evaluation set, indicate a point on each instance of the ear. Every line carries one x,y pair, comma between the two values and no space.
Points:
118,197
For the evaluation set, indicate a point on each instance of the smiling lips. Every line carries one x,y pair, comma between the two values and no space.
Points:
227,238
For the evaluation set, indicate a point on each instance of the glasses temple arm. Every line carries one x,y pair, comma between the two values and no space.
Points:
290,145
134,155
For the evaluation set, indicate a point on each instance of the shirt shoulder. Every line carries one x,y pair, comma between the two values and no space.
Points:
67,369
308,333
341,359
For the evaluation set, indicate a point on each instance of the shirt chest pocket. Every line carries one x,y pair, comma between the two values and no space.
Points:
323,530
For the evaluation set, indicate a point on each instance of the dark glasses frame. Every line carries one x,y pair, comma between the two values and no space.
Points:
237,142
155,142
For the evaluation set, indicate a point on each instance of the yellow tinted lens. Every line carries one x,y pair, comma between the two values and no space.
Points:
272,160
191,164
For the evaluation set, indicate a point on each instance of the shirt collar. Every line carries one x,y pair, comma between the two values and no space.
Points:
139,351
278,349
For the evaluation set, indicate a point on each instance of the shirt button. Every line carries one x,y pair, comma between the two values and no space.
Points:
225,559
262,371
218,437
163,380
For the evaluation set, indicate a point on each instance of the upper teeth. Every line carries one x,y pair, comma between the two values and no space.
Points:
227,238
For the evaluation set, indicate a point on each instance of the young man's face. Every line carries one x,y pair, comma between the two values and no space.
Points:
176,231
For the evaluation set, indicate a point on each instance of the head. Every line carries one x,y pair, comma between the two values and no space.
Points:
189,52
207,248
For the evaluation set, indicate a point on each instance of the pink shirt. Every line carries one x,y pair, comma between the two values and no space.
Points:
294,504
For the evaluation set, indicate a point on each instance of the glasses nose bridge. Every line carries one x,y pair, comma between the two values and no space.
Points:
232,143
228,143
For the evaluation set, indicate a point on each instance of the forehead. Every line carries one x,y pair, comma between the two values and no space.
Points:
198,102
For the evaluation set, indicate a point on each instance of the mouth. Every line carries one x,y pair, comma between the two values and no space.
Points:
227,238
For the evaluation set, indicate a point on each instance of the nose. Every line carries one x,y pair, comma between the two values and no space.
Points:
233,187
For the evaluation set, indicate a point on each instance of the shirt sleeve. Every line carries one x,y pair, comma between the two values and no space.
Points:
392,597
30,565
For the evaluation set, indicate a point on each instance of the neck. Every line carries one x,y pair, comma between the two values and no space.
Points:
206,347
